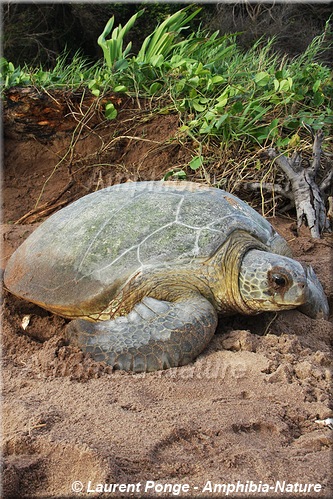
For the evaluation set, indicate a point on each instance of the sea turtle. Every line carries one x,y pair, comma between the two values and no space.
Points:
145,268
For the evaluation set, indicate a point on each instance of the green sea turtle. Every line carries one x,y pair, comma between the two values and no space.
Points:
145,268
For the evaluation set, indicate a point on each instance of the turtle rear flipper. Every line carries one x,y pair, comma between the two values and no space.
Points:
154,335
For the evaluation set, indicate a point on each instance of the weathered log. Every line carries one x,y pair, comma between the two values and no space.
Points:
309,204
29,112
300,188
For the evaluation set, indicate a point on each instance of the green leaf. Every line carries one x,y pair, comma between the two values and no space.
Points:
120,88
318,99
274,124
110,111
221,120
222,102
193,93
282,142
197,106
157,60
237,107
155,87
206,128
285,85
180,85
217,79
316,85
262,78
179,174
194,81
294,141
196,162
280,74
121,65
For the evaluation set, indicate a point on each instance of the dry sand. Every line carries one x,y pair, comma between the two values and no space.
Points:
246,411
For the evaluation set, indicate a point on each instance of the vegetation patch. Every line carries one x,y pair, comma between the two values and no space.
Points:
232,104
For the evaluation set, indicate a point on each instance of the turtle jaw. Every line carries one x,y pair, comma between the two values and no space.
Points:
316,304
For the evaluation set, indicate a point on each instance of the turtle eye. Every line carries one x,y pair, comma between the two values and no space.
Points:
279,280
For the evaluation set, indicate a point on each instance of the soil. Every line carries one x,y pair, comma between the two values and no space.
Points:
248,412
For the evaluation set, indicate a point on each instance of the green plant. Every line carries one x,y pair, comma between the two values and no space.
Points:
11,76
114,54
220,92
157,46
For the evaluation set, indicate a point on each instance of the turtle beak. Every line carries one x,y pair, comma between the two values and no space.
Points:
316,305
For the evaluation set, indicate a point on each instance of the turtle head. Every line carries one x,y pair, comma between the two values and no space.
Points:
269,282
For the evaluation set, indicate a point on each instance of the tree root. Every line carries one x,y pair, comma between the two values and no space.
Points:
46,208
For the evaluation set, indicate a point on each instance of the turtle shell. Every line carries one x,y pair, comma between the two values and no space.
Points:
80,257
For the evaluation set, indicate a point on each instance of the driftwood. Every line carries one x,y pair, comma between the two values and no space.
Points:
301,189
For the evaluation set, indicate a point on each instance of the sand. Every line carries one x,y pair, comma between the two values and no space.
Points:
245,419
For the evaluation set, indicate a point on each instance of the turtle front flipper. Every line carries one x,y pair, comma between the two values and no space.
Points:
154,335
